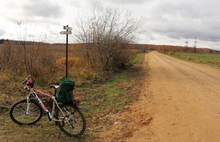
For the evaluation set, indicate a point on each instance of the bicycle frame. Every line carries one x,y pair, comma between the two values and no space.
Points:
34,94
29,110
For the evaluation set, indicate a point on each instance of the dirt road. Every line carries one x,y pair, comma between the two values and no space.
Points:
183,100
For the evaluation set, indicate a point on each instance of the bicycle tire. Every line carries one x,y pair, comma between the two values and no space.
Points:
19,115
73,123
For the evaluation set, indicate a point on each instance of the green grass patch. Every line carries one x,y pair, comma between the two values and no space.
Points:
115,91
209,59
137,58
109,97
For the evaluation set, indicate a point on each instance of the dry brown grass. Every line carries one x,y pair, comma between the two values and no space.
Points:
91,89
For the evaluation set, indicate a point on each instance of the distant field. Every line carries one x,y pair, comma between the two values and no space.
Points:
58,51
209,59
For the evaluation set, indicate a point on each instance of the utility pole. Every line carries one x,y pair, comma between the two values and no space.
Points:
195,42
187,43
195,46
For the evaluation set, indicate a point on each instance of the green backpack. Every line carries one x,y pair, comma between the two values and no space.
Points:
65,91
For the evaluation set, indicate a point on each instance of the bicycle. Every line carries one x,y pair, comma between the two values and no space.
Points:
29,110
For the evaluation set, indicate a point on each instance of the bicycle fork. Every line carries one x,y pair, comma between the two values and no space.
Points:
28,106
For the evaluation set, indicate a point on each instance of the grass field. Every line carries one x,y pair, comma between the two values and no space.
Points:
98,99
209,59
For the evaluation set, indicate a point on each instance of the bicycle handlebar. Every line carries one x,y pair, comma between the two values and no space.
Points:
29,76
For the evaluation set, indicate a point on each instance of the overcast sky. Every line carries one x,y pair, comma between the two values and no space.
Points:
170,22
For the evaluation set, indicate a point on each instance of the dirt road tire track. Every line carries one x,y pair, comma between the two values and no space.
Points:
183,99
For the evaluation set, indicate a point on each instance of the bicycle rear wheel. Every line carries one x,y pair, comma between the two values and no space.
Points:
72,123
20,115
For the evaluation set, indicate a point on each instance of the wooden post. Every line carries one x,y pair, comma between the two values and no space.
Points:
68,31
67,53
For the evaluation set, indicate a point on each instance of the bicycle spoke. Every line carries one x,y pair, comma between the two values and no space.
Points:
19,114
73,124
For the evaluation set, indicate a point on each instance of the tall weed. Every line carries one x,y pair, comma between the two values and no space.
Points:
32,58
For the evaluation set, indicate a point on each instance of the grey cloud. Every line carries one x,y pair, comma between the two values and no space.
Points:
178,31
129,1
75,3
114,3
186,19
42,8
2,32
30,35
94,4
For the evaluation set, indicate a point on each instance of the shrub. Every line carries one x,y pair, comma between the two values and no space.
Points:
105,35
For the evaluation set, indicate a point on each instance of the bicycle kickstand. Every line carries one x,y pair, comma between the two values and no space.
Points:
59,135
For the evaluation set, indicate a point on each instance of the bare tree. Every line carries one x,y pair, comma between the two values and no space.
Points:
105,34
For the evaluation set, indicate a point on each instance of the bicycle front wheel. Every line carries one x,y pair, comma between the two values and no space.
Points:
71,121
24,113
